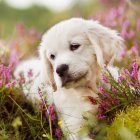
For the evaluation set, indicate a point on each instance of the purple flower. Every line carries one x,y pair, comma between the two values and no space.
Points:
126,33
5,73
101,90
126,71
126,24
1,83
135,65
104,78
30,73
53,117
9,85
124,29
114,89
120,79
13,57
101,117
51,111
134,49
14,82
139,75
33,32
134,73
130,34
58,132
123,52
42,100
138,25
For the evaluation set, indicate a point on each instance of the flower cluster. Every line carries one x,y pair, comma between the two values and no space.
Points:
116,16
20,45
117,94
50,113
6,80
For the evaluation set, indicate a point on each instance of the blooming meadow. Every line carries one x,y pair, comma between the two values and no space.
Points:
118,111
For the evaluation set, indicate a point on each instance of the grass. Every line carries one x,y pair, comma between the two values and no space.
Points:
19,120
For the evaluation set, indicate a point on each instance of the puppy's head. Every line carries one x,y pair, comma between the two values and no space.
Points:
74,48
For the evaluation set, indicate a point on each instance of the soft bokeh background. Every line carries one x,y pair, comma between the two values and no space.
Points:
22,23
41,14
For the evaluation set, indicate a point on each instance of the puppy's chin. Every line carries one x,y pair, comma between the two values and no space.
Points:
69,82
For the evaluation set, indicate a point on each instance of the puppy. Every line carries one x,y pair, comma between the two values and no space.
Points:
72,54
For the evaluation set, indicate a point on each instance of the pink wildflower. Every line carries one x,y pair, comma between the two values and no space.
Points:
58,133
124,33
134,73
9,85
41,96
126,72
130,34
20,29
126,24
13,57
120,79
114,90
1,83
134,49
139,75
104,78
101,90
138,25
123,52
30,73
14,82
5,73
51,110
101,117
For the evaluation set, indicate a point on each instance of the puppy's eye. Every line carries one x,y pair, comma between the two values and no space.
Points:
74,46
52,56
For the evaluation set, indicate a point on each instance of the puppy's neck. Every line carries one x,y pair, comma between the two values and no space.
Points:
86,83
81,90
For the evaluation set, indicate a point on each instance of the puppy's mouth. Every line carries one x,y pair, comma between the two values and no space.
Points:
66,80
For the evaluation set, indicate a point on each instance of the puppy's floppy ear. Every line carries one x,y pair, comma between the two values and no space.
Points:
105,42
46,70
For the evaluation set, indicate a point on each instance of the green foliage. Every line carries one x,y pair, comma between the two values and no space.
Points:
19,120
39,17
35,16
126,125
120,92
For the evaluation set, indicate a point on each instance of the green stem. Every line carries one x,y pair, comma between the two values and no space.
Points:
43,126
22,109
50,123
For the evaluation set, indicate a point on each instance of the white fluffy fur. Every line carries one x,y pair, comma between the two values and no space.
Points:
98,47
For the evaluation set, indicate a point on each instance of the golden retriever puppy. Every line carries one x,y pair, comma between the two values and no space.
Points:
72,54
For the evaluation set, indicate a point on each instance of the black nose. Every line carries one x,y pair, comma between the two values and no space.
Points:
62,70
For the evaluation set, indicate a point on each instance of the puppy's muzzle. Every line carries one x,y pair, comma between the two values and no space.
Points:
62,71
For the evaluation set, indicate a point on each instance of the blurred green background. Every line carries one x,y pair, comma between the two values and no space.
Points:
21,27
41,17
